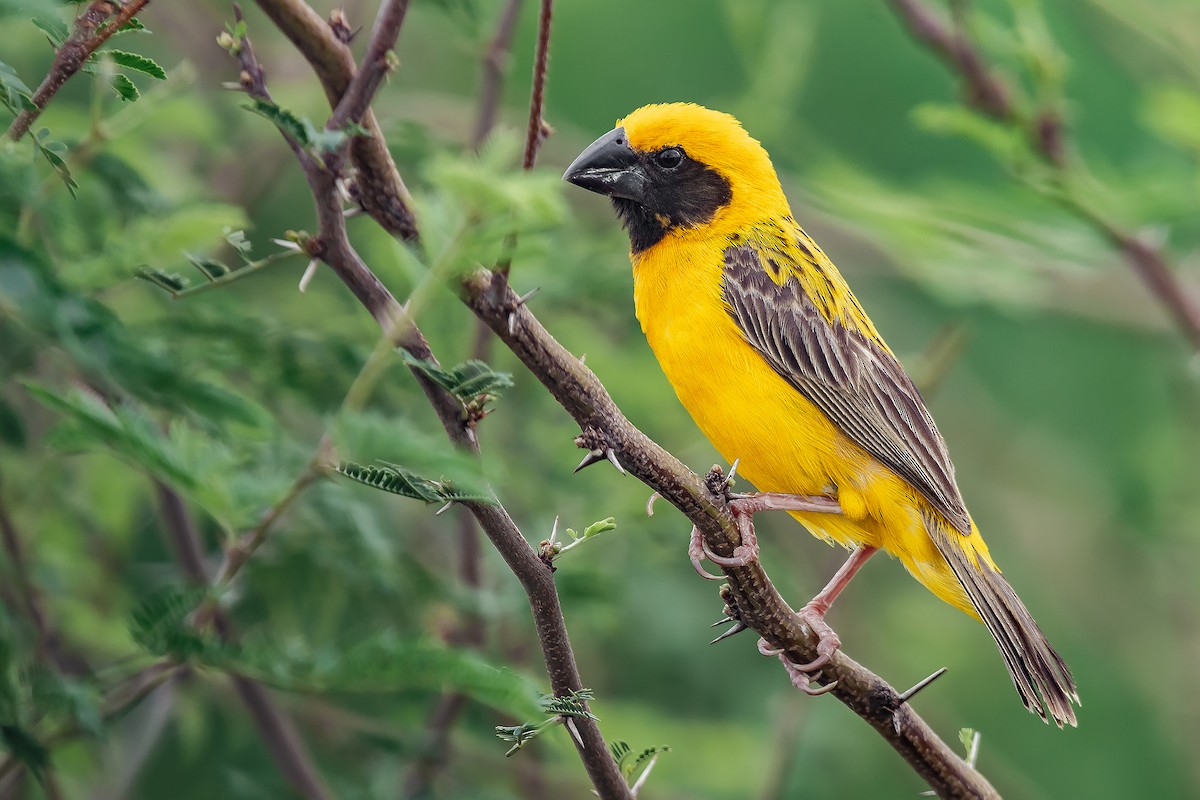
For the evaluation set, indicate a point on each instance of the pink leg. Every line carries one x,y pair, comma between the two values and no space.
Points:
813,613
744,508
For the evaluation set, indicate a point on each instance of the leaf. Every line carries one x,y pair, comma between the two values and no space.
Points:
137,63
382,663
160,623
630,762
966,736
572,705
299,129
398,480
132,25
123,429
55,29
13,91
50,151
125,88
310,137
25,748
172,282
211,269
467,380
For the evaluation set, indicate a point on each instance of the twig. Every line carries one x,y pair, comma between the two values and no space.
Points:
537,130
332,245
1047,136
85,39
378,185
495,67
274,726
376,64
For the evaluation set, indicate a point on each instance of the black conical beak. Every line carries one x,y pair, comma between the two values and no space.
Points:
609,166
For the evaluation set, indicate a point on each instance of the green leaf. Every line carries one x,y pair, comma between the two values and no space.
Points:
14,94
967,737
137,63
211,269
383,663
131,26
124,429
25,748
631,762
398,480
51,151
467,380
171,281
160,623
297,128
125,88
55,29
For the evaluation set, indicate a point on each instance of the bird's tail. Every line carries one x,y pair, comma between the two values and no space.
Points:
1041,676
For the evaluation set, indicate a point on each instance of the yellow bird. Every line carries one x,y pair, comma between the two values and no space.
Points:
784,372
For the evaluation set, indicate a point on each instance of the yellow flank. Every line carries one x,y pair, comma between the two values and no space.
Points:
783,441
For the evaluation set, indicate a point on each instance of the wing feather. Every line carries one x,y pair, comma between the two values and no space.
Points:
854,381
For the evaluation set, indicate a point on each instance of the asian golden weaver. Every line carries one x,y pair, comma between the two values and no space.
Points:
781,368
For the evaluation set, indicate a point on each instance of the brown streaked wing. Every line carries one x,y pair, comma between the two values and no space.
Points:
861,387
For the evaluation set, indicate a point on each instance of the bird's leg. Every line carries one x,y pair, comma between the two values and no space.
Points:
813,613
744,507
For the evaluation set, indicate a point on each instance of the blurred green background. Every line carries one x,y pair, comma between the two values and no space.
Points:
1070,407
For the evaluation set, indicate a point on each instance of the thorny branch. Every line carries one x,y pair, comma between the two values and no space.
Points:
100,20
332,246
580,392
986,92
471,633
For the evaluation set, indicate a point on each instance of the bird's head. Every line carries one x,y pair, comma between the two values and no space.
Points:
680,170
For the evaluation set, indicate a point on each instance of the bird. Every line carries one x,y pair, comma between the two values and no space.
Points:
782,370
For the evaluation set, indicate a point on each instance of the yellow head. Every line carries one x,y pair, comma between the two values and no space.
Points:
681,170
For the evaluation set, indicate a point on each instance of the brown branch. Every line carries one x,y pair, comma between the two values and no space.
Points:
275,728
376,64
537,130
495,67
377,185
1048,138
583,396
85,39
332,245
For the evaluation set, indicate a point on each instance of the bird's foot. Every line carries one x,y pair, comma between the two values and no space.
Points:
802,676
828,643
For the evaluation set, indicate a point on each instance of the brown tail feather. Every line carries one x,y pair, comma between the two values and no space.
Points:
1039,673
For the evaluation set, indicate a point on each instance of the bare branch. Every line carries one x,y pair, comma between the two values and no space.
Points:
376,65
495,67
537,130
1048,137
100,20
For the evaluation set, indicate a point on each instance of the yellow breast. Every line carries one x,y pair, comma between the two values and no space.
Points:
749,413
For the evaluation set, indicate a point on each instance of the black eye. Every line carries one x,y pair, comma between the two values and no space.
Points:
669,158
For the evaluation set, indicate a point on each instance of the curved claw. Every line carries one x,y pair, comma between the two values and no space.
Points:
702,572
742,555
801,675
696,553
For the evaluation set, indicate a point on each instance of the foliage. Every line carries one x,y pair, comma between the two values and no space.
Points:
153,346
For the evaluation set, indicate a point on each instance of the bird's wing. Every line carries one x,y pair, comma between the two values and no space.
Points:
857,383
